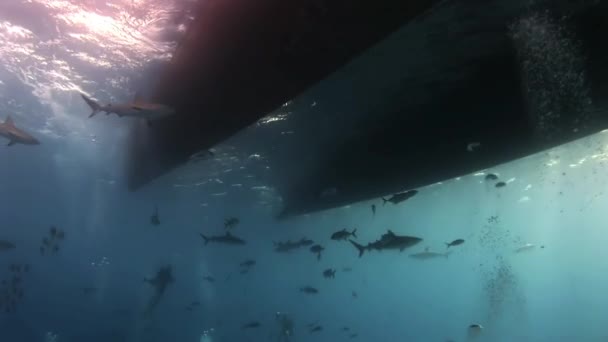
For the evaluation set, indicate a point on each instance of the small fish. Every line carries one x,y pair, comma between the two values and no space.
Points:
6,245
455,243
345,329
353,335
473,146
45,241
344,234
53,230
316,329
56,249
251,325
373,210
400,197
524,248
491,177
309,290
248,263
355,295
209,279
317,249
329,273
231,222
500,184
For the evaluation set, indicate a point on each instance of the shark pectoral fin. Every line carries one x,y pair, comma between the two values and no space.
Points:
10,143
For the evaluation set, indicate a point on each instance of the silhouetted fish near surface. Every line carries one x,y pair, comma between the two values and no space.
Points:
400,197
317,249
6,245
491,177
309,290
388,241
251,325
15,135
227,239
343,234
454,243
154,219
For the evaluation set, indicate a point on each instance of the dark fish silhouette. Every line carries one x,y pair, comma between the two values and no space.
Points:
491,177
500,184
388,241
329,273
454,243
343,234
6,245
373,210
231,222
248,263
251,325
160,282
288,246
400,197
317,249
309,290
227,239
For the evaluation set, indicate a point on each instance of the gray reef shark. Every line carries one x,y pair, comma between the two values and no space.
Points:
16,135
160,282
135,109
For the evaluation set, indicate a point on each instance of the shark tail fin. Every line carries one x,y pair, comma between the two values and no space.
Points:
354,233
205,238
384,200
360,248
95,107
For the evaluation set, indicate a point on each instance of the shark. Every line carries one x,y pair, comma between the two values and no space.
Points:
227,239
136,109
160,282
16,135
389,240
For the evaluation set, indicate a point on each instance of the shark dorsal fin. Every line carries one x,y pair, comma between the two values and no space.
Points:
9,121
390,232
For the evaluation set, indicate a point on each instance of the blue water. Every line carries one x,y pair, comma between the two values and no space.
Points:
73,181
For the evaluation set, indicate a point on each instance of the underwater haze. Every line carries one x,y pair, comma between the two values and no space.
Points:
512,253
